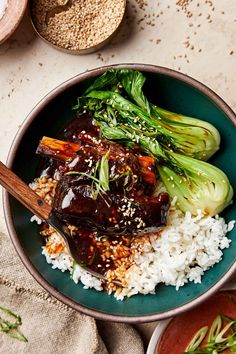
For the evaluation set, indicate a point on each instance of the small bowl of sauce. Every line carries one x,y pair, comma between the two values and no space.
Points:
173,336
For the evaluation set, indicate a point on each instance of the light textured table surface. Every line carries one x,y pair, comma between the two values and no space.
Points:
199,40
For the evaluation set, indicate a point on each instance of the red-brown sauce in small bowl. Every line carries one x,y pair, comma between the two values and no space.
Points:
182,328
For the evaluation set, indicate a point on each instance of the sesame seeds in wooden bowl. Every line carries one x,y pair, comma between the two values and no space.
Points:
80,26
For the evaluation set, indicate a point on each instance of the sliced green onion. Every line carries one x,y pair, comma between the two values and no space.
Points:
220,338
197,339
11,328
216,343
215,329
104,172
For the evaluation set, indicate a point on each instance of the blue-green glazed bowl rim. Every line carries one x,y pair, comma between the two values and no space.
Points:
6,200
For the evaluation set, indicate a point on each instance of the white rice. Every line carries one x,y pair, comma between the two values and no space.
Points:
64,262
36,219
186,248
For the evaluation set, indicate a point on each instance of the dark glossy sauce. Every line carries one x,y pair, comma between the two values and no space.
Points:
73,129
73,190
70,132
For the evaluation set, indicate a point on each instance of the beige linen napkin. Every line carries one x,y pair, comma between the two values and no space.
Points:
49,325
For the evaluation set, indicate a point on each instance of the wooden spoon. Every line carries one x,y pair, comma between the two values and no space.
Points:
26,196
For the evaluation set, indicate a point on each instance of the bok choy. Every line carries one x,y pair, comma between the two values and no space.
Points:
124,114
197,184
186,135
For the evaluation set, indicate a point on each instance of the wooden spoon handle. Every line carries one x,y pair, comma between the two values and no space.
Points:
23,193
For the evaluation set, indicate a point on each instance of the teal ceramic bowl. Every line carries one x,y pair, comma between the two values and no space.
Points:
171,90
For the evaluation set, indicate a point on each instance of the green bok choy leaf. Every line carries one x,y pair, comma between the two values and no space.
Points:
132,120
186,135
197,184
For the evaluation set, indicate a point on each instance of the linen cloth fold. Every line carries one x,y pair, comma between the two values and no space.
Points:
49,325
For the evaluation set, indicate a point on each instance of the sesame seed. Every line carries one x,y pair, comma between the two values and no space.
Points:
83,24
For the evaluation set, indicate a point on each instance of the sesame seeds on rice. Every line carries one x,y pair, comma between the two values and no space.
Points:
186,248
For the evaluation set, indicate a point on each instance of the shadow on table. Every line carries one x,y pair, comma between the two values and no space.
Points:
22,38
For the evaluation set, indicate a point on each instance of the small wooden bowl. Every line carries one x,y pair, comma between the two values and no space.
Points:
12,18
